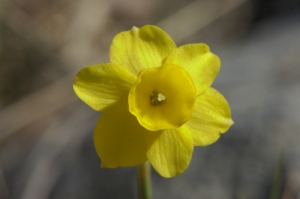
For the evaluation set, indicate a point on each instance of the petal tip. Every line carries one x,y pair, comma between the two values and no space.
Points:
135,30
230,122
105,164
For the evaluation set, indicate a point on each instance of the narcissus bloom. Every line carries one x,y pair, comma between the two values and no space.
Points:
156,101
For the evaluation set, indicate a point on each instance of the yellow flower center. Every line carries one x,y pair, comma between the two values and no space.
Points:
162,97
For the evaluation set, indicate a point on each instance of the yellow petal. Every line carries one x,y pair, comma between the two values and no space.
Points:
170,151
202,65
210,118
162,97
102,85
118,137
141,48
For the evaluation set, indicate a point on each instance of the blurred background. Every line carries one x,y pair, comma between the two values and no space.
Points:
46,145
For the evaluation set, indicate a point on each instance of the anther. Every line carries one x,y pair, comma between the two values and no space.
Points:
157,98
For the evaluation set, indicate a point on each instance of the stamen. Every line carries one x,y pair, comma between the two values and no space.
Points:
161,97
157,98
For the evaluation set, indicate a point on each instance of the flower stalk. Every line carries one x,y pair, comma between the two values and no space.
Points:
144,181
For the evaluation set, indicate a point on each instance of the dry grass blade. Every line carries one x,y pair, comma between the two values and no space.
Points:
36,105
195,16
64,134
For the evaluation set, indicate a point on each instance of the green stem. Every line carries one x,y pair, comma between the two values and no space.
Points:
144,181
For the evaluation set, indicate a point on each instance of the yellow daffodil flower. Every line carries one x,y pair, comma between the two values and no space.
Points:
156,101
